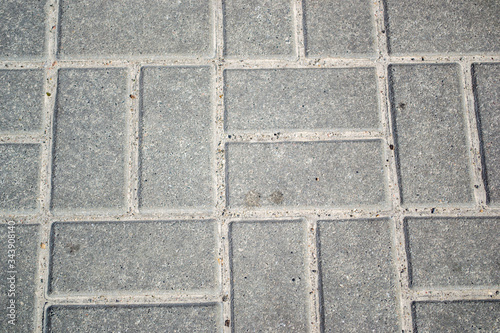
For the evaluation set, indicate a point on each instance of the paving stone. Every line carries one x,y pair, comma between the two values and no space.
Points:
442,26
142,318
21,101
20,289
136,257
306,174
100,28
89,141
452,252
342,98
176,138
269,277
263,28
487,90
337,28
19,177
358,276
461,316
22,29
431,134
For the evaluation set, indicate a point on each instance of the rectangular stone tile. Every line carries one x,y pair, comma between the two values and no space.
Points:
358,276
132,257
141,318
269,277
90,140
176,138
442,26
22,29
267,99
306,174
339,28
18,276
260,29
431,135
453,252
21,101
487,93
101,29
458,316
19,177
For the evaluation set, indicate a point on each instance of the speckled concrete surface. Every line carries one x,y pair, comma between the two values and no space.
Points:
249,166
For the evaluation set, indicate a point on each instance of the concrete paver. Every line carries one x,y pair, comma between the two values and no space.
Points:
250,166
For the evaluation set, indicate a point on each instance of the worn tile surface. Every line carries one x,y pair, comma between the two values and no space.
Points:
18,276
100,29
452,252
488,103
91,258
21,102
357,276
431,134
269,276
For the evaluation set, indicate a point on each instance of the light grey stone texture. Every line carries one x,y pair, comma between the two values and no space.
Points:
101,28
19,177
357,276
338,28
269,277
21,101
141,318
459,316
22,29
443,26
431,136
487,93
25,267
259,29
340,98
133,257
90,140
453,252
306,174
176,138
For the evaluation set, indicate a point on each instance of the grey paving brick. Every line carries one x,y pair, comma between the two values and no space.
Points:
301,99
143,318
339,28
89,141
21,101
99,28
136,257
358,276
19,177
263,28
269,277
22,29
431,134
176,138
451,252
305,174
21,289
461,316
443,26
487,91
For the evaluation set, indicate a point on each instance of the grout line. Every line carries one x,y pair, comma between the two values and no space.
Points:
50,96
473,135
300,136
133,84
220,175
150,297
299,28
314,276
423,295
399,240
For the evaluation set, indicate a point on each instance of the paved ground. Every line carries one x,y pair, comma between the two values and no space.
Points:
250,166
